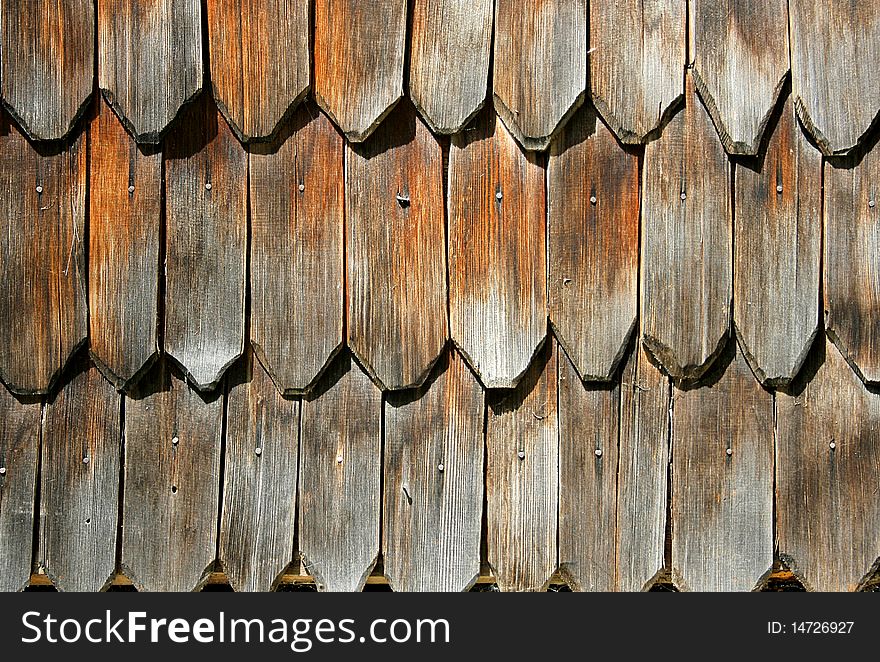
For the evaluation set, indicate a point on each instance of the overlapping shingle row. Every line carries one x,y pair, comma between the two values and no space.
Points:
273,251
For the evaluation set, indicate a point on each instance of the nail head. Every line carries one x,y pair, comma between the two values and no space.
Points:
258,451
131,189
522,455
86,459
208,186
175,440
832,445
302,187
598,452
440,467
39,189
684,195
2,471
779,188
338,459
499,195
871,203
729,451
592,199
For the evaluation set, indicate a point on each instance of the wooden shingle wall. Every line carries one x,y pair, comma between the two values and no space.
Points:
563,290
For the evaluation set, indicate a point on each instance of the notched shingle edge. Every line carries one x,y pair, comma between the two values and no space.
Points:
54,379
848,356
663,356
311,569
506,384
154,137
534,143
71,127
628,137
819,138
276,130
208,386
731,146
614,365
286,390
785,380
444,131
370,371
123,384
356,135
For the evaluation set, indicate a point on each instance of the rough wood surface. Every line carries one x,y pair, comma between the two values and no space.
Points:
593,217
852,237
43,316
359,55
638,51
522,478
540,66
449,67
149,60
47,67
777,239
741,63
835,47
79,485
259,480
125,205
642,478
206,245
589,419
497,252
340,478
686,244
260,61
297,272
397,322
19,459
722,482
433,494
827,513
173,438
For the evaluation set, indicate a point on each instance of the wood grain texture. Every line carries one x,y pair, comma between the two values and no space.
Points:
593,217
79,493
340,478
259,61
259,480
722,482
828,515
835,47
359,54
852,236
297,271
497,252
433,483
636,60
686,244
589,419
397,322
741,63
642,478
522,478
125,205
19,459
206,245
172,483
540,66
149,61
449,67
777,237
43,316
47,63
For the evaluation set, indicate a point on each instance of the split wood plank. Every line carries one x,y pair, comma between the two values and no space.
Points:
149,61
852,235
741,63
171,499
777,248
125,206
340,478
589,417
593,217
642,481
835,47
686,244
433,499
722,482
79,486
47,63
449,68
497,252
397,321
206,243
540,66
259,482
636,61
359,56
19,459
43,307
828,515
297,271
259,61
522,478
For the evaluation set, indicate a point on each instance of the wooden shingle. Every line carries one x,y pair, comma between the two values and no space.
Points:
47,63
